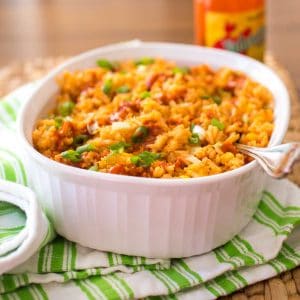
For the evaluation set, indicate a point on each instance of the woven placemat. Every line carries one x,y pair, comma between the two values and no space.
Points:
283,287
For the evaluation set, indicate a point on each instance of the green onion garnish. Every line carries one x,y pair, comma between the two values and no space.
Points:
80,139
105,64
66,108
205,97
107,87
135,159
145,95
71,155
144,159
217,99
123,89
58,122
94,168
140,134
181,70
85,148
144,61
194,139
217,123
119,147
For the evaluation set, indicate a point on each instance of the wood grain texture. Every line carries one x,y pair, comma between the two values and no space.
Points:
39,28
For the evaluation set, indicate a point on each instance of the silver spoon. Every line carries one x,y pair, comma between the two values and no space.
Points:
277,161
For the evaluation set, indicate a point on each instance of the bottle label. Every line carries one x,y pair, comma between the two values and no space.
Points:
240,32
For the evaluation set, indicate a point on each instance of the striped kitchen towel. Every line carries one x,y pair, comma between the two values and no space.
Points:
24,228
269,245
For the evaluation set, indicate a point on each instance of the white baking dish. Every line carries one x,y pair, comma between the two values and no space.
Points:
146,216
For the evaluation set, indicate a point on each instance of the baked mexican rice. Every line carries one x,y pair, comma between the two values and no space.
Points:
153,118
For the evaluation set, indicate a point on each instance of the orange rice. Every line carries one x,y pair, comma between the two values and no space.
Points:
152,118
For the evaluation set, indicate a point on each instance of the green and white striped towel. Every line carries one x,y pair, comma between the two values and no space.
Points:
24,228
269,245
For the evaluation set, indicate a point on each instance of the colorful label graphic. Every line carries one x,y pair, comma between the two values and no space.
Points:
240,32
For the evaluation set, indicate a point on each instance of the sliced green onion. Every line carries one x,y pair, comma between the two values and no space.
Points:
71,155
80,139
58,121
66,108
217,99
181,70
135,159
105,64
192,127
140,134
107,87
205,97
217,123
144,61
123,89
94,168
85,148
198,130
119,147
194,139
145,95
144,159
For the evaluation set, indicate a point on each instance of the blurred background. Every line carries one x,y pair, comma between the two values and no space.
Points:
42,28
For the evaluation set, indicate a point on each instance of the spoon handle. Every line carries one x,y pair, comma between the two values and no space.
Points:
277,161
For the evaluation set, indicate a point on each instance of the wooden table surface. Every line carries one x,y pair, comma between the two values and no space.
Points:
39,28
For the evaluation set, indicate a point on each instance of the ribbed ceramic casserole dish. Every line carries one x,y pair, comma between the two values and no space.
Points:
146,216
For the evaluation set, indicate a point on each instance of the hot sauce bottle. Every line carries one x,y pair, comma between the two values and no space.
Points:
236,25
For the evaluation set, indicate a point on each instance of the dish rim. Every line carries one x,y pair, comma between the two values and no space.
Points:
74,171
